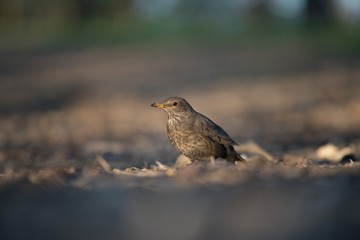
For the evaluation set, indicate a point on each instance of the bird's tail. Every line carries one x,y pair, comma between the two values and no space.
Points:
239,159
234,157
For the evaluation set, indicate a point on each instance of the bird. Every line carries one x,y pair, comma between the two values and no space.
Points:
195,135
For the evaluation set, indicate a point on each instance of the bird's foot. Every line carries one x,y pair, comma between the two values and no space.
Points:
212,161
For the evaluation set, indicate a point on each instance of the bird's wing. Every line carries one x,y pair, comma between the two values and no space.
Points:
213,131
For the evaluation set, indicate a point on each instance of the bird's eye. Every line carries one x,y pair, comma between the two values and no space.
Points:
175,103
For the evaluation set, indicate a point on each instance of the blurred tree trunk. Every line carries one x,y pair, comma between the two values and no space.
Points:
319,12
260,12
122,8
86,9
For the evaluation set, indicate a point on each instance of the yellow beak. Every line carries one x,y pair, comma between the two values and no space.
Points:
158,105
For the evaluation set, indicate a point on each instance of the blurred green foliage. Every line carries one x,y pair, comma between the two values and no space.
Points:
62,24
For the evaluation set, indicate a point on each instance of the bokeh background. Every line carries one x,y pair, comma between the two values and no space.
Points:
83,155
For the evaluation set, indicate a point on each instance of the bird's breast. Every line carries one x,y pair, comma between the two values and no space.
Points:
179,131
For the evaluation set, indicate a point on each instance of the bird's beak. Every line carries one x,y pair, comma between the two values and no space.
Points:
158,105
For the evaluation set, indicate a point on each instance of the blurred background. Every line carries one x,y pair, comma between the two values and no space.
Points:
62,24
77,78
100,63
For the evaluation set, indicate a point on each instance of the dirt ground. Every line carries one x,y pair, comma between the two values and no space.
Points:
84,156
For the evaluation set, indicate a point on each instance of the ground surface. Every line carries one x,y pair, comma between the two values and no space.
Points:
83,155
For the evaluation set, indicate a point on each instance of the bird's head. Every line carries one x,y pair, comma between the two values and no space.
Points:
174,106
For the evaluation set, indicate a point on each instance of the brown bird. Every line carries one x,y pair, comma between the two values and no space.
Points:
194,135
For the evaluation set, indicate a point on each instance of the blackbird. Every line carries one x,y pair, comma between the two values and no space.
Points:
194,135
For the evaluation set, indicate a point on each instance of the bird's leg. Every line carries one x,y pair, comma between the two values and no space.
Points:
194,163
212,161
